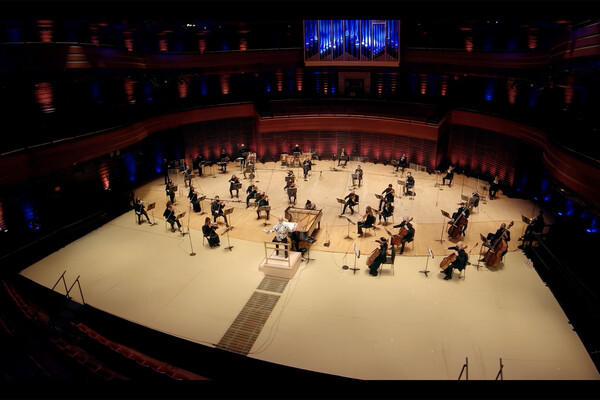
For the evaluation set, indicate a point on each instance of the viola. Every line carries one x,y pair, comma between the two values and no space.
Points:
493,255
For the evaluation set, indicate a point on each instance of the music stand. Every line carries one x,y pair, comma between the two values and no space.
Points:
229,247
342,202
527,221
445,214
178,217
427,263
227,212
349,222
200,199
151,207
402,184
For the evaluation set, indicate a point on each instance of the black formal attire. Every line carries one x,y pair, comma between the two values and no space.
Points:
359,175
195,202
306,166
494,237
211,235
171,218
493,190
536,226
367,223
386,212
232,186
449,176
410,235
170,189
217,211
187,177
402,163
465,211
244,155
410,184
351,201
383,246
460,263
296,150
251,191
343,157
164,167
387,196
139,211
262,202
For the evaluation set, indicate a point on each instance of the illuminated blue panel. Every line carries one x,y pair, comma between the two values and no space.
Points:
130,165
324,38
489,90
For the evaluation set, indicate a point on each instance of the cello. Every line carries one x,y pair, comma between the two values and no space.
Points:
493,255
459,223
397,238
373,256
449,259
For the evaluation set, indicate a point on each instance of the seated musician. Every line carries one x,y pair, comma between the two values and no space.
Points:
198,163
493,238
140,210
375,264
306,166
367,221
243,154
474,200
193,196
494,187
171,217
296,149
409,184
462,210
351,201
402,163
343,157
216,208
209,232
388,195
292,192
359,174
459,263
281,234
187,177
310,205
386,212
409,236
249,169
170,188
449,176
234,184
262,201
252,190
535,226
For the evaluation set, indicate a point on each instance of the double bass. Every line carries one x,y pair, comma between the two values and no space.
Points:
397,238
493,255
459,223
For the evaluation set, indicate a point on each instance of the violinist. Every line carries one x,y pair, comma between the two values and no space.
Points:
460,217
140,210
243,155
291,188
187,177
409,236
449,176
351,201
171,188
383,246
409,184
216,208
252,190
209,232
388,195
493,238
359,174
306,166
386,212
234,184
473,200
194,200
460,260
262,201
367,221
171,217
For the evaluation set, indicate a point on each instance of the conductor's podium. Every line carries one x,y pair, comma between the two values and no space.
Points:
278,265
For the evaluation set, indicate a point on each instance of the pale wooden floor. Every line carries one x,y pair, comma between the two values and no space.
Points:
404,325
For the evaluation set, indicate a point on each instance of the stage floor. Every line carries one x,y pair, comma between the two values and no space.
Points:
400,325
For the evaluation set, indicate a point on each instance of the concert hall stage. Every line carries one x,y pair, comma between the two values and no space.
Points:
407,326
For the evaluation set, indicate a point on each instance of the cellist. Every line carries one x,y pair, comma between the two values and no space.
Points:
406,232
460,217
493,239
382,254
460,260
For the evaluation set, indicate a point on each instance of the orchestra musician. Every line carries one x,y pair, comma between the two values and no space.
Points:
367,221
187,177
494,187
464,211
402,163
351,201
165,170
251,192
243,153
209,232
388,195
386,212
535,226
473,200
140,210
375,264
493,238
262,201
306,166
197,164
216,208
170,188
409,184
359,174
224,158
249,169
171,216
343,157
281,234
449,176
310,205
234,184
296,149
193,196
409,236
459,263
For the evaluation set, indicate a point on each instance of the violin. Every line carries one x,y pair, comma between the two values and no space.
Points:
493,255
458,225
